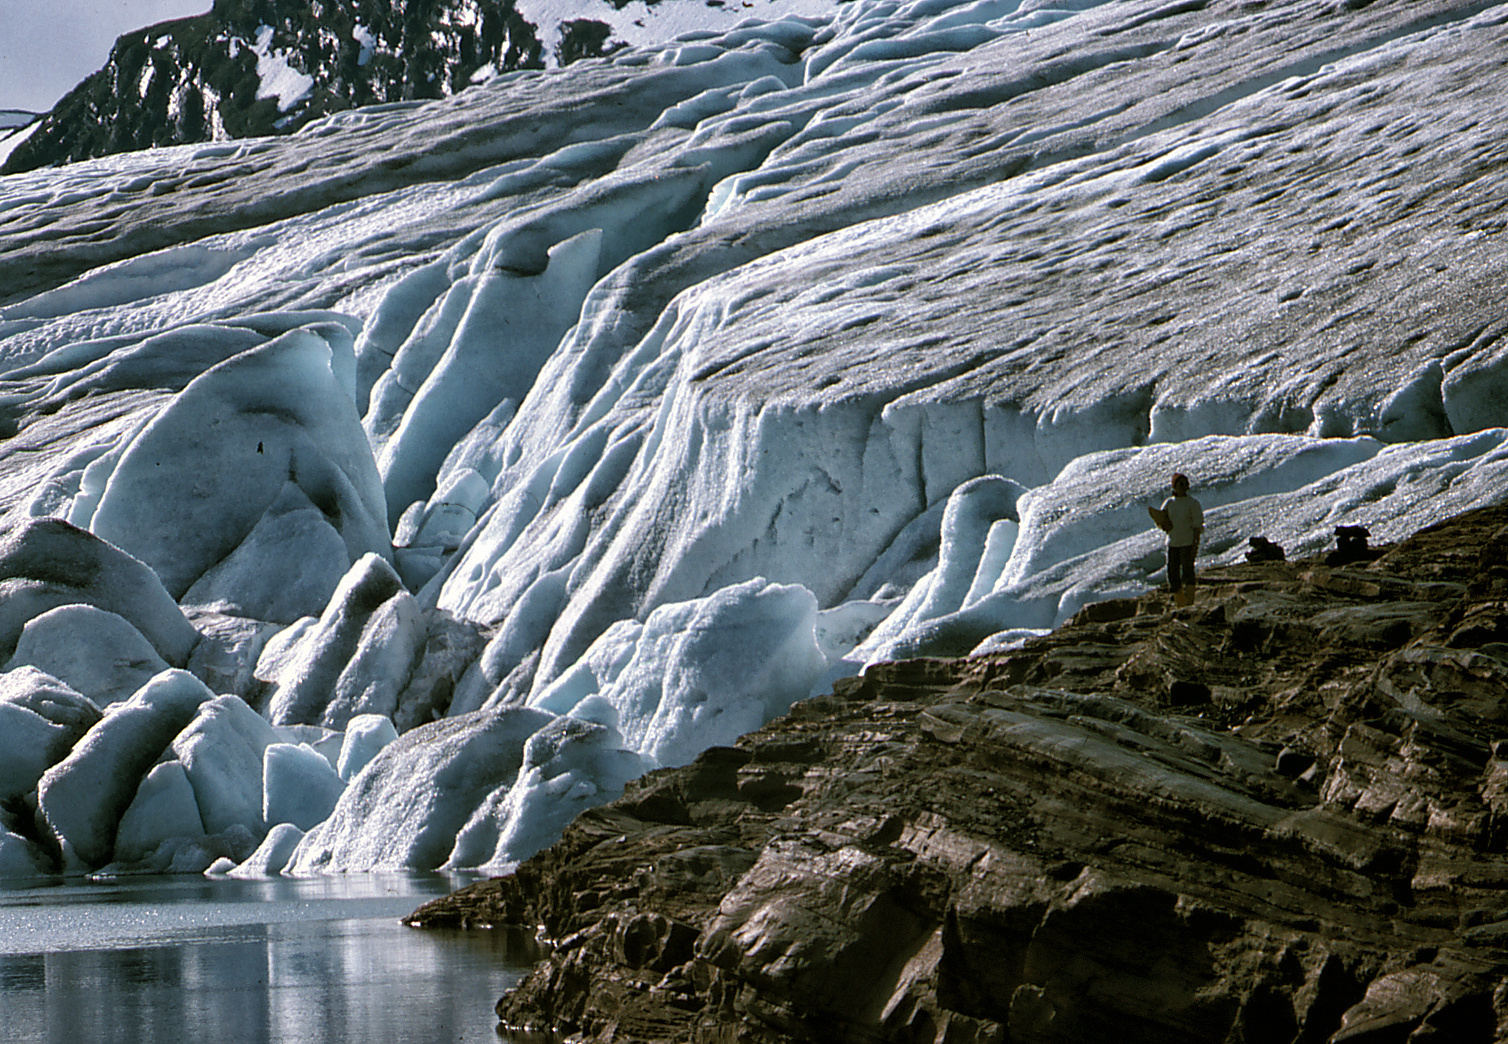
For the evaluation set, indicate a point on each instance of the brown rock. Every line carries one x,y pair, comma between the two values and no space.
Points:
1278,818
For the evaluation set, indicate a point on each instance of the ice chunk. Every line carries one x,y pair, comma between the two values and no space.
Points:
972,512
227,655
40,721
428,532
52,699
82,797
20,857
324,742
569,766
190,855
45,563
184,503
366,734
393,390
910,556
595,672
1416,410
168,360
1000,641
246,584
157,272
271,855
97,653
967,567
999,542
451,648
704,672
407,806
222,751
464,488
840,630
513,322
298,785
401,307
1476,382
164,808
521,633
358,658
277,657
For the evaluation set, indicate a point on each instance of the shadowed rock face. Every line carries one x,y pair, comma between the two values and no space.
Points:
1275,816
217,75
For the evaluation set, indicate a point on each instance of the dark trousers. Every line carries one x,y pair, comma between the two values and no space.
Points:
1181,566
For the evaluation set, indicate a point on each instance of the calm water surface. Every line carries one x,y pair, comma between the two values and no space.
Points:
213,961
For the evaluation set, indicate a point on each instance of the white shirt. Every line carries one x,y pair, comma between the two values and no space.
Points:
1187,518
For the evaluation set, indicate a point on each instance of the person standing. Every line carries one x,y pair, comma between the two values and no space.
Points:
1182,518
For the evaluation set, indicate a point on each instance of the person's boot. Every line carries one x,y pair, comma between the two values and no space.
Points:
1184,597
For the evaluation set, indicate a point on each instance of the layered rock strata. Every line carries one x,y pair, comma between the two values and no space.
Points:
1278,815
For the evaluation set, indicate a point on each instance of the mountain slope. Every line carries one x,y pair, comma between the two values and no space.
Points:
254,67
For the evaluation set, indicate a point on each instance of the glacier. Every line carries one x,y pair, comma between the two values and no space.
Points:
385,494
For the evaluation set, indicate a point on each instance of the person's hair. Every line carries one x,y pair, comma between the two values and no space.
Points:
1180,481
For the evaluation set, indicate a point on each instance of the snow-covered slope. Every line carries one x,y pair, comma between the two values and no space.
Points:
688,379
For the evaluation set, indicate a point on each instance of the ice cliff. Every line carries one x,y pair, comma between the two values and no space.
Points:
383,494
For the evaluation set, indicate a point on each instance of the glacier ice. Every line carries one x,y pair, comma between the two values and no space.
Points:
20,857
513,320
270,856
298,785
183,504
115,661
405,808
697,674
365,735
83,796
222,752
47,563
356,659
568,766
516,443
292,529
164,810
40,721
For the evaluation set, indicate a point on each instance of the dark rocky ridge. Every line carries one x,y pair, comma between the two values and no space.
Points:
1280,815
195,79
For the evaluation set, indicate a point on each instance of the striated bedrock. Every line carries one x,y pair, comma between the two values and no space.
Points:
1278,815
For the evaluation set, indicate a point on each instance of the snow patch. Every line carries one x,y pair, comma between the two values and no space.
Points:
277,78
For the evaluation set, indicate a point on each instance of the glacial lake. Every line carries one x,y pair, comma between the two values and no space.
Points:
322,960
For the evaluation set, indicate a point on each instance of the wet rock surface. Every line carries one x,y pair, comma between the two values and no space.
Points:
1280,814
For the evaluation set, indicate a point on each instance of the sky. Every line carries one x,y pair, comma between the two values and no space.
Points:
39,63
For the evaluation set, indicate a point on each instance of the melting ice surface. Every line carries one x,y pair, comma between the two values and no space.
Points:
384,495
323,960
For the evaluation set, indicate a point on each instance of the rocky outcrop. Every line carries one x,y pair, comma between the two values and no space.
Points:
256,67
1277,815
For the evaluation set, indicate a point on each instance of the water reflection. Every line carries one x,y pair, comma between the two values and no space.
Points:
313,961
